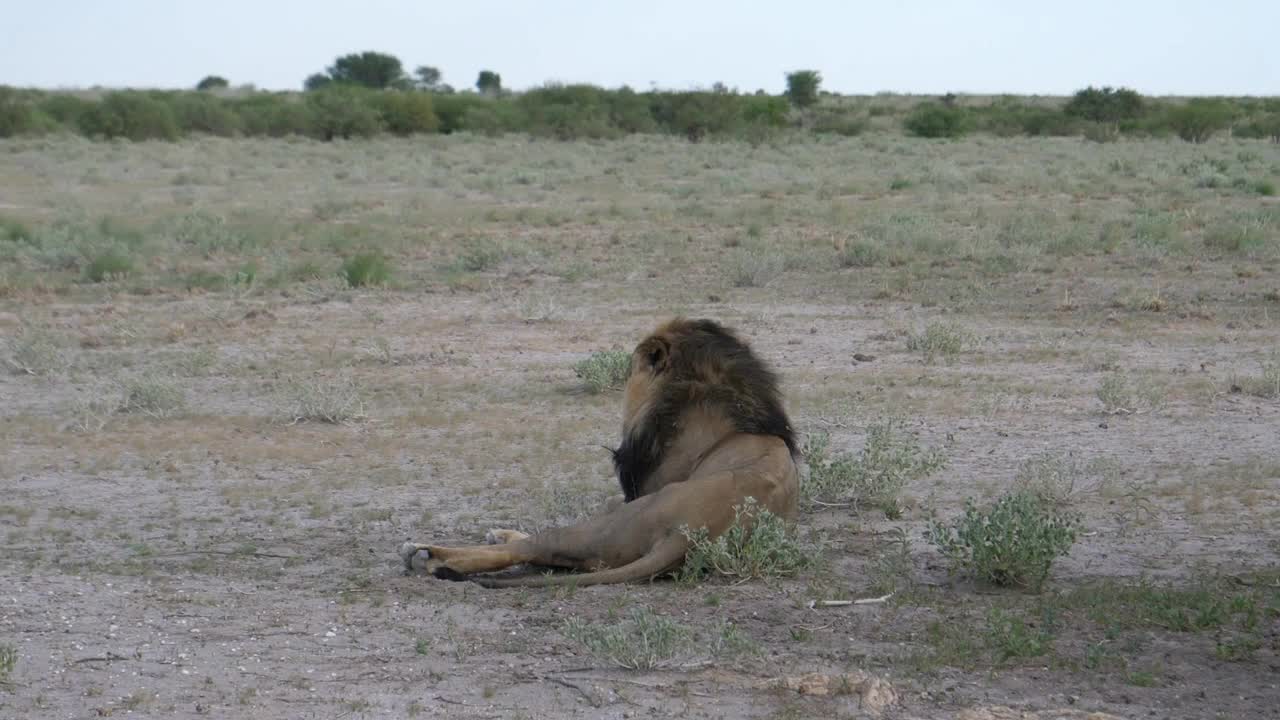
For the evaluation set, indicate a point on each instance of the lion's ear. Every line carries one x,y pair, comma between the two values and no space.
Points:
657,351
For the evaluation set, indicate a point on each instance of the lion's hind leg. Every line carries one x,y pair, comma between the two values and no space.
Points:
498,536
452,563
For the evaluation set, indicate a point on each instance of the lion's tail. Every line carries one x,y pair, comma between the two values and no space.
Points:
667,555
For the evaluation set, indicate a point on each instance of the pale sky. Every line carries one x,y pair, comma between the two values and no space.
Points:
918,46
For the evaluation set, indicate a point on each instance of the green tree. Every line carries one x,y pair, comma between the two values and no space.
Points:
370,69
802,87
1197,120
489,82
213,82
427,77
315,81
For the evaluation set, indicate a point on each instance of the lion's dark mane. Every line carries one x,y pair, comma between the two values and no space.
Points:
708,366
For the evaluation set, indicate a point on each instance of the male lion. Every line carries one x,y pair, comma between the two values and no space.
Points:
703,429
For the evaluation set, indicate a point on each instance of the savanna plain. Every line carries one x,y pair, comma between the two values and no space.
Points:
238,373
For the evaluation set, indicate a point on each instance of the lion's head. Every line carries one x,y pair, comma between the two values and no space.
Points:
688,365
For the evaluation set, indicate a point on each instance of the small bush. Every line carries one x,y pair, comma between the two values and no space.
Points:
860,251
755,267
1012,638
8,660
111,264
931,120
481,255
1265,188
604,370
1120,396
33,352
875,477
1012,542
1236,237
1266,384
644,641
335,401
941,338
152,397
366,269
757,545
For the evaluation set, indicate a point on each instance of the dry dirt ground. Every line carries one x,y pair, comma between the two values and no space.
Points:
176,542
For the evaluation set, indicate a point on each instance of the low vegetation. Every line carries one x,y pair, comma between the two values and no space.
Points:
646,640
335,400
874,477
604,370
1012,542
758,544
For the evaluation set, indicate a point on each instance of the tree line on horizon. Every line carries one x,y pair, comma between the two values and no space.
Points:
370,93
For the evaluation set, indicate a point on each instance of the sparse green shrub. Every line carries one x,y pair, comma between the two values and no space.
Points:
757,545
1121,396
33,352
802,87
1051,477
941,339
209,233
1236,236
482,254
151,396
755,267
932,120
113,263
1012,542
8,660
860,251
326,400
1265,188
132,115
875,477
366,269
1266,384
1011,638
15,231
644,641
604,370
